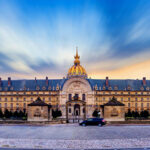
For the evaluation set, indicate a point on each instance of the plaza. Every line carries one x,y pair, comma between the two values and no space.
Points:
73,136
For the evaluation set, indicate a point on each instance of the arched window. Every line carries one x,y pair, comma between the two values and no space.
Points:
83,97
70,97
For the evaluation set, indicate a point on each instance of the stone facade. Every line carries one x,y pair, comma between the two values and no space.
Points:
114,113
39,111
60,94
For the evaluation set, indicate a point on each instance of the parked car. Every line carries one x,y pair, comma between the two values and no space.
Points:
93,121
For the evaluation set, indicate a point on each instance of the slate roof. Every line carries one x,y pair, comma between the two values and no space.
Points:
114,102
38,102
31,85
122,85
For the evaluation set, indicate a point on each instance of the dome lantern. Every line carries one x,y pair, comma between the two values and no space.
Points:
77,70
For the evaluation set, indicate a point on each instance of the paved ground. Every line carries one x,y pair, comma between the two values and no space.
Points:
72,136
74,132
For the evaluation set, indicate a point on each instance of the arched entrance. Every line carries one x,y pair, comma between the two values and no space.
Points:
77,110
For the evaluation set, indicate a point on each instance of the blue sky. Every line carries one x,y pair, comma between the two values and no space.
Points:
39,38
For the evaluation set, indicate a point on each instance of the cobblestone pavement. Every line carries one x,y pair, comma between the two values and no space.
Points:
72,136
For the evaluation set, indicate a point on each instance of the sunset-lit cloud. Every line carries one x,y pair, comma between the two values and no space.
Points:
38,38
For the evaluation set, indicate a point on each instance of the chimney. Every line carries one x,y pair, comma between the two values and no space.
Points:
144,81
107,81
0,82
9,81
35,80
46,81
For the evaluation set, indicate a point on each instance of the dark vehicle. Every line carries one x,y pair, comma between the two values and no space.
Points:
93,121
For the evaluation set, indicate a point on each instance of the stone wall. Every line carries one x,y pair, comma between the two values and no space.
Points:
114,113
38,113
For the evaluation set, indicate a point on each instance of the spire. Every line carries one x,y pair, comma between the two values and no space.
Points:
77,57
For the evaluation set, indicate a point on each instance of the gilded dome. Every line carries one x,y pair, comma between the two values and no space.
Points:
77,69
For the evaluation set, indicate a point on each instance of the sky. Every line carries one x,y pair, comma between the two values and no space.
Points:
38,38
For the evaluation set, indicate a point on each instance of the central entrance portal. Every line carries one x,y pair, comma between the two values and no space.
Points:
75,110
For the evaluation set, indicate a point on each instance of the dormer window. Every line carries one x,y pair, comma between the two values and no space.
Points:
142,88
49,88
43,88
11,88
110,88
129,88
104,88
115,88
37,88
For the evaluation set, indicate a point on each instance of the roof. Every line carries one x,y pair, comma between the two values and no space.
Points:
38,102
114,102
122,85
57,84
32,85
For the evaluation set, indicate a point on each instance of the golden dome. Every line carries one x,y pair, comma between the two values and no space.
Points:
77,69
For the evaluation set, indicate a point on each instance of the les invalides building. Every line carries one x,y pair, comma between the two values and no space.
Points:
76,96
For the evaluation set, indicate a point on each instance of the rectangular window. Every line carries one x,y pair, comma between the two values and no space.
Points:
128,98
24,105
83,97
141,105
70,97
11,99
135,105
11,105
69,110
142,99
5,105
49,98
0,105
128,104
122,99
6,99
17,105
136,99
24,99
147,105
